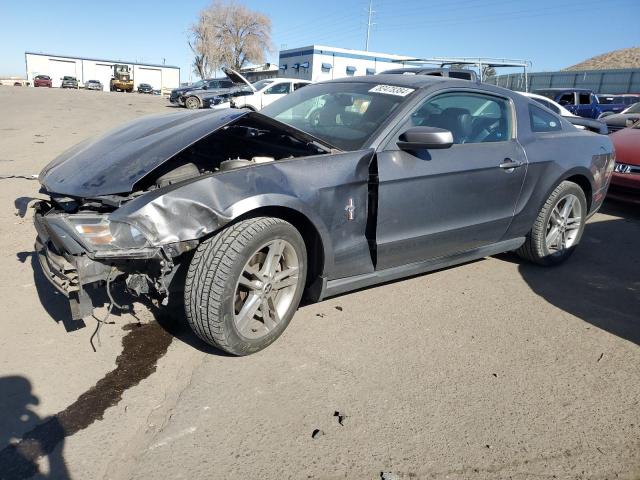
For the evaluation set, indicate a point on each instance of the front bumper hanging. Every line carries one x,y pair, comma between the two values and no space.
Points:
69,274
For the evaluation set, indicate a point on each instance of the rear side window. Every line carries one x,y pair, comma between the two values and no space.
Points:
542,121
549,105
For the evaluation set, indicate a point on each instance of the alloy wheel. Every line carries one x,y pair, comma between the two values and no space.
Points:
564,224
266,289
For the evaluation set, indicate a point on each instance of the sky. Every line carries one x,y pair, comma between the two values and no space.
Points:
553,34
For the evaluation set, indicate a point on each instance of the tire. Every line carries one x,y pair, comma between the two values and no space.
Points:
221,308
555,236
192,103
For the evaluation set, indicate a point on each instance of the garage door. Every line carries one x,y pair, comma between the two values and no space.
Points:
61,68
103,73
152,76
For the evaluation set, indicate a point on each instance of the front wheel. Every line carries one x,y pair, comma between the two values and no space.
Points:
192,103
558,227
244,284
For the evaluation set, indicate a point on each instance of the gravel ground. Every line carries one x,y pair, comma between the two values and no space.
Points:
494,369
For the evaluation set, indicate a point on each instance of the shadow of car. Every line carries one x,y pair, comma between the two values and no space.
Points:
600,284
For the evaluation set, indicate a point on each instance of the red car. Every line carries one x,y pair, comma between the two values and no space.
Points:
42,81
625,184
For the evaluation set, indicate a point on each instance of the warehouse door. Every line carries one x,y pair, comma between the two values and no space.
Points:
103,73
61,68
152,76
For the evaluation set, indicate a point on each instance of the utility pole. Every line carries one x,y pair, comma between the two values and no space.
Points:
369,24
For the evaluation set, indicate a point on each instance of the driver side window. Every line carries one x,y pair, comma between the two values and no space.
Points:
470,117
279,89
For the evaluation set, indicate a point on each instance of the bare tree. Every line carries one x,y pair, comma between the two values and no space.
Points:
488,72
229,35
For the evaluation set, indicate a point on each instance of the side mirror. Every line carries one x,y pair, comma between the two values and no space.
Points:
424,138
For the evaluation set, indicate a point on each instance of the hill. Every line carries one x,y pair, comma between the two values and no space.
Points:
623,58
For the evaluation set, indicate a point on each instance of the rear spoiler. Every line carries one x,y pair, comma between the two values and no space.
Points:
592,125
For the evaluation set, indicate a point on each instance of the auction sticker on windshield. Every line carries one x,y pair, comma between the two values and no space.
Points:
391,90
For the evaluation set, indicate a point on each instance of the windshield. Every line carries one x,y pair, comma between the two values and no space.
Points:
198,84
342,114
260,84
68,78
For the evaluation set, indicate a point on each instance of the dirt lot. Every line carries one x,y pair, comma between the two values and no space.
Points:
495,369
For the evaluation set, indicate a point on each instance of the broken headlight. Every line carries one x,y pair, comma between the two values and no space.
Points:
101,233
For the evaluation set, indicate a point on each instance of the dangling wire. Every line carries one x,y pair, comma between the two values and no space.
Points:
100,322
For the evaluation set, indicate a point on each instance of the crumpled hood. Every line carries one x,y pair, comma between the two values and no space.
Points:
115,162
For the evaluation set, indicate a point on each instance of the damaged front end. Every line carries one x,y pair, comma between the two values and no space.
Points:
78,251
130,206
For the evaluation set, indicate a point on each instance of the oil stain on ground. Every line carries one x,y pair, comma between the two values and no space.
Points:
142,347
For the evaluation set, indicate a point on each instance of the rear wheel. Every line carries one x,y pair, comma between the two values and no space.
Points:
558,228
245,283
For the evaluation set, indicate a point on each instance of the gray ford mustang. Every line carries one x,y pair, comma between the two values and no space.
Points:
338,186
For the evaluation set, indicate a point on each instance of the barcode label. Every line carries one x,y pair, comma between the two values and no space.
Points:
391,90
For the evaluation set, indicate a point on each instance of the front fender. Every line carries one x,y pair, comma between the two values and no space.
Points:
316,187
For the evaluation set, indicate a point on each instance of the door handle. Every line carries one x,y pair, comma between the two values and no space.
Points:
509,164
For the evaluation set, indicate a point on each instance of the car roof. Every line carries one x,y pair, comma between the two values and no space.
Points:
412,81
422,82
559,89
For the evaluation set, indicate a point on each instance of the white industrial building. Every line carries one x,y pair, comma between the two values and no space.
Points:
319,62
160,77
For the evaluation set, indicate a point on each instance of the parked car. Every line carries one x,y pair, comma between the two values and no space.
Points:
194,99
69,82
206,84
612,104
255,96
94,85
626,118
42,81
145,88
625,184
338,186
579,101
